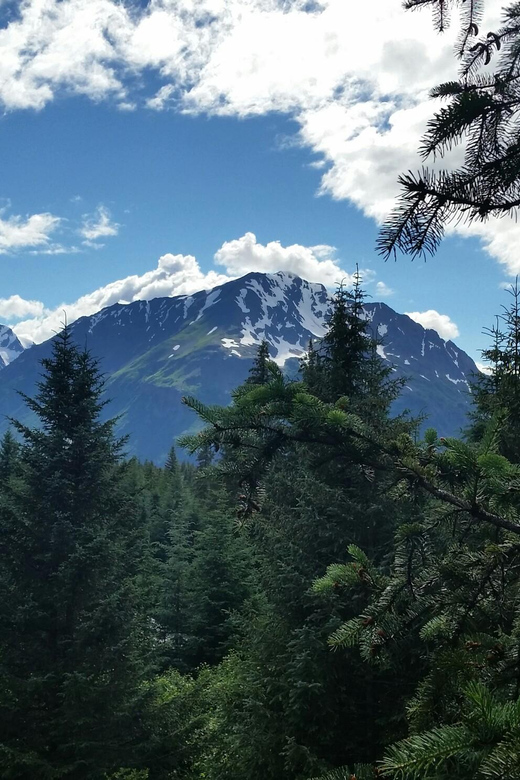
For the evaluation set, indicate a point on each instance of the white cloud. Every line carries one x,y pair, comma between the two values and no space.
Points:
174,275
161,98
17,233
484,368
500,238
97,226
181,274
315,263
16,307
56,249
354,76
444,326
33,234
383,291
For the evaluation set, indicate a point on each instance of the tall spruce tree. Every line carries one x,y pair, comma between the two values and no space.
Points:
345,345
346,364
72,638
496,395
259,371
310,481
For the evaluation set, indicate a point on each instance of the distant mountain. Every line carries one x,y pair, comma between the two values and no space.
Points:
154,352
10,346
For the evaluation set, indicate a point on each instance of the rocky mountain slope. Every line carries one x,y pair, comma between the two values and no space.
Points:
10,346
153,352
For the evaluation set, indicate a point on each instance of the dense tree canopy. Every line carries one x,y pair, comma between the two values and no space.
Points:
322,594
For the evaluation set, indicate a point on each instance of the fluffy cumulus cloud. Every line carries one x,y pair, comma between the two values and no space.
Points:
174,275
34,233
15,307
444,326
354,76
181,275
314,263
99,225
383,290
17,233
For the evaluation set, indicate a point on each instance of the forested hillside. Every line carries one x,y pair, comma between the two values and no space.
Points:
322,595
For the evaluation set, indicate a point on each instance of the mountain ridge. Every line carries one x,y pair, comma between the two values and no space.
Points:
153,352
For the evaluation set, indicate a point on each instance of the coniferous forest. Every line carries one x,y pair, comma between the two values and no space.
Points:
317,592
310,588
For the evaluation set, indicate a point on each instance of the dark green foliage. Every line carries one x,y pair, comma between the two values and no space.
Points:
172,464
72,638
484,744
310,369
481,114
497,395
263,367
346,365
310,481
206,578
321,596
9,457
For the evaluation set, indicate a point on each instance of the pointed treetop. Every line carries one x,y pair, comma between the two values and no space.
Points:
261,371
172,463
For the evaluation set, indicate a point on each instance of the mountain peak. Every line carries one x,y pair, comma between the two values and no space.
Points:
154,352
10,346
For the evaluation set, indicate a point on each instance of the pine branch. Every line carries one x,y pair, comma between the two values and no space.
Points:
415,756
473,509
481,114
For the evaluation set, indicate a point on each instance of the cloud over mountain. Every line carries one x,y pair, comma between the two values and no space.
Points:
444,326
181,274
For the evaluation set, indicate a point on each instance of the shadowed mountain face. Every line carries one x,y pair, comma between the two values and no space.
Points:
154,352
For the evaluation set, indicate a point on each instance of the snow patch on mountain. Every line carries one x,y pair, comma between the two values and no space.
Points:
229,343
211,299
240,299
10,346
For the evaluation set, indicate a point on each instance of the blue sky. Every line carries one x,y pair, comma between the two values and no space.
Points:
120,146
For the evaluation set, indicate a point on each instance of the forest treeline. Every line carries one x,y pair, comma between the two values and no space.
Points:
320,592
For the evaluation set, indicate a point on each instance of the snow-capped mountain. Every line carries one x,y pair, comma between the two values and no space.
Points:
153,352
10,346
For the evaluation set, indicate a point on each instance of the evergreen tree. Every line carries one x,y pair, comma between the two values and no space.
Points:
261,371
310,481
71,639
346,364
217,582
448,602
310,368
172,464
496,396
9,457
345,345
